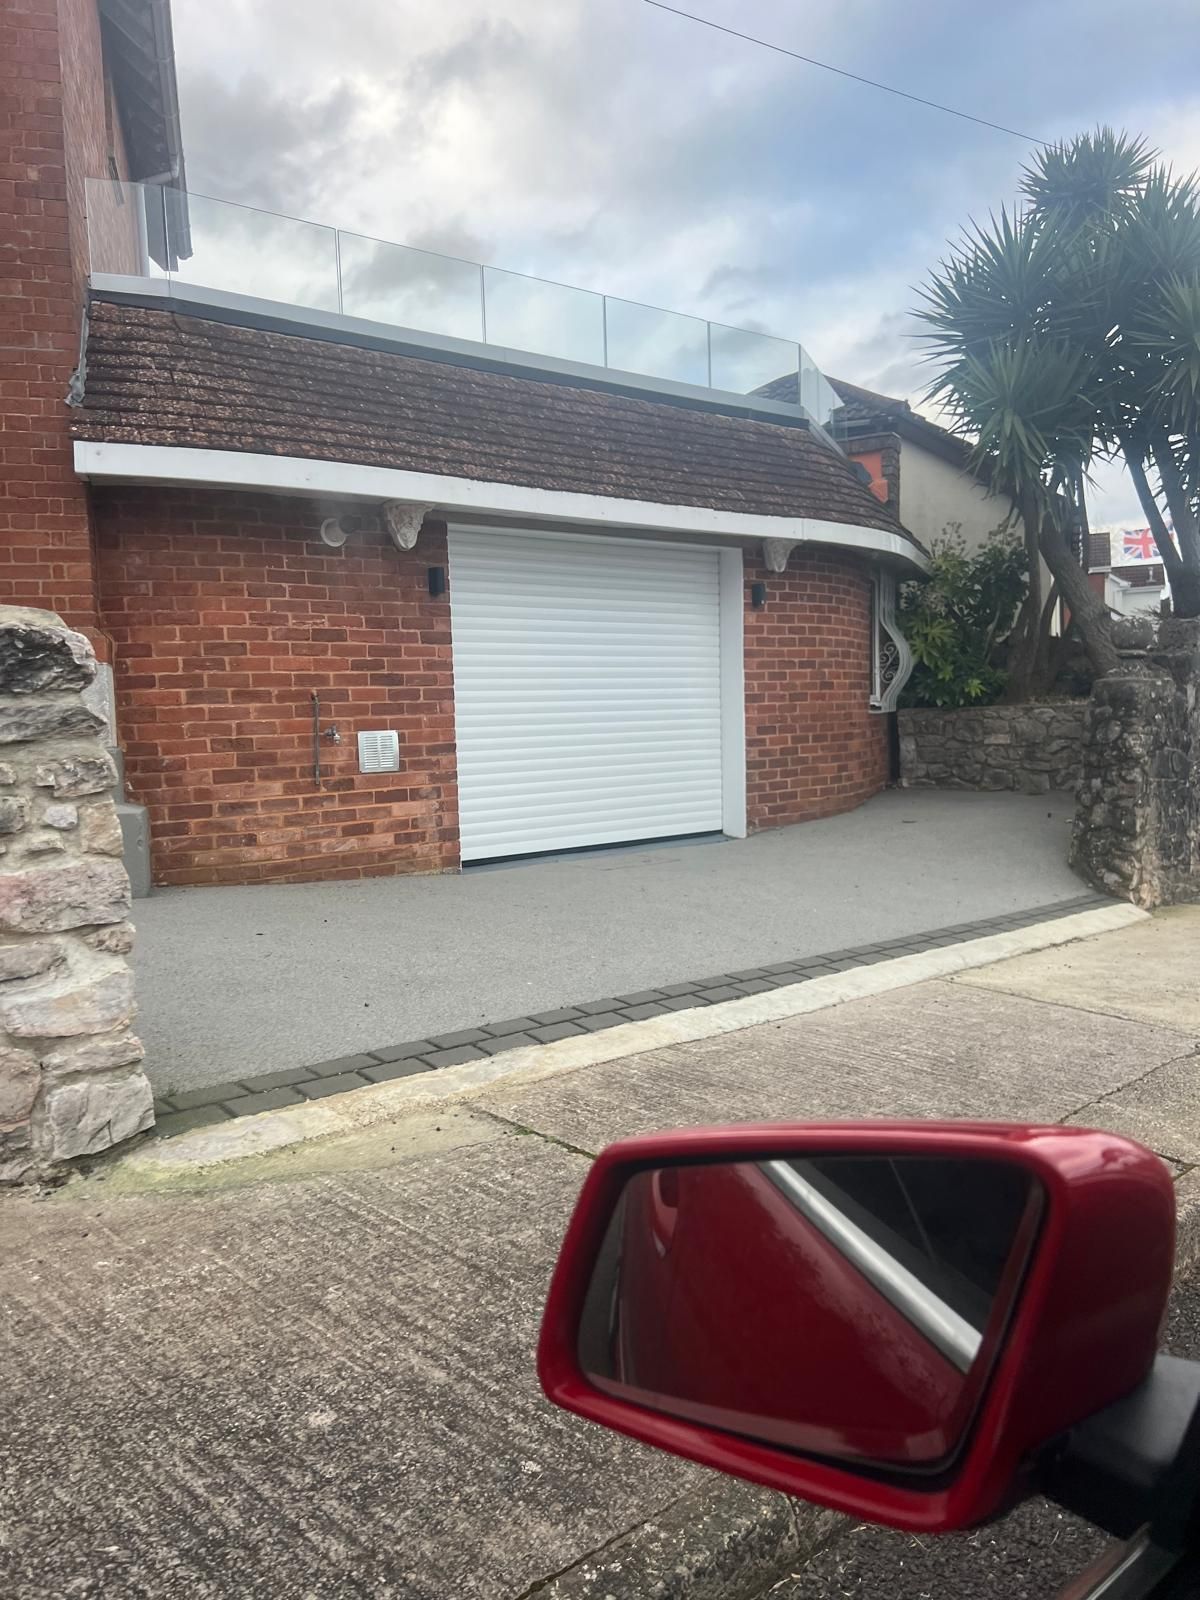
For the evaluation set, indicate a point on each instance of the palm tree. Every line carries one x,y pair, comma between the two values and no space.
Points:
1070,330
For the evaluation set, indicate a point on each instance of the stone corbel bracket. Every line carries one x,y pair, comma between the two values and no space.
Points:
403,519
776,553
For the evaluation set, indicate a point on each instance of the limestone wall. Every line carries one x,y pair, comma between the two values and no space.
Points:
1137,817
1027,748
71,1081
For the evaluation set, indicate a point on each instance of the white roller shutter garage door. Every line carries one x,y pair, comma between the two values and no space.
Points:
586,689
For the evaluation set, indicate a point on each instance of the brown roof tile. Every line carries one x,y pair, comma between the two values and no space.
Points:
154,376
864,413
1099,551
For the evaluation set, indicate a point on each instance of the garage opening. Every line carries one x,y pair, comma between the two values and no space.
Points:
588,694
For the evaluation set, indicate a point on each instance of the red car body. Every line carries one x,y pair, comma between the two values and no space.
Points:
1070,1347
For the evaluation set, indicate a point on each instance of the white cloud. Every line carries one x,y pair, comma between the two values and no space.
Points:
604,143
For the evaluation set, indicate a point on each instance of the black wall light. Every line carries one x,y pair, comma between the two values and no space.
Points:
437,581
758,595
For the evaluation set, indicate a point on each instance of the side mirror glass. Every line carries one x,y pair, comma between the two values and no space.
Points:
890,1319
846,1306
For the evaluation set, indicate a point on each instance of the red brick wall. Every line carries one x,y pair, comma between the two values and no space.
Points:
93,132
873,461
812,746
51,133
86,118
225,612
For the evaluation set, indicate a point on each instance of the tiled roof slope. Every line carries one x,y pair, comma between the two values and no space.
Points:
155,376
866,411
868,405
858,404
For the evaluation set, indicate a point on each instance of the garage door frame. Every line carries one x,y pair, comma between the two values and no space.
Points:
731,643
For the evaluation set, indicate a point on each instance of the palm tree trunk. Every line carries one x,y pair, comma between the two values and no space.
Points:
1029,528
1185,590
1185,585
1046,666
1022,653
1088,612
1083,523
1025,639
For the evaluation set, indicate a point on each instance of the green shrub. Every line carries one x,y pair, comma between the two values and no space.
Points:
957,621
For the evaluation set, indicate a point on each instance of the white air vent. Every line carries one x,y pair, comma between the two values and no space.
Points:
379,751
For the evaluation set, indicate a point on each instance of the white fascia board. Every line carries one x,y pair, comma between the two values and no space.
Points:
186,467
128,283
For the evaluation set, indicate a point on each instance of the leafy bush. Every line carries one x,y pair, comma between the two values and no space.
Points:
957,620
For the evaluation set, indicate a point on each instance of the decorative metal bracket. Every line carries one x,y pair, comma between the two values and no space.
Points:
776,553
891,658
403,519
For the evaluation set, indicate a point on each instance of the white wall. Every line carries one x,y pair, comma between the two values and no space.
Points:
933,493
1129,599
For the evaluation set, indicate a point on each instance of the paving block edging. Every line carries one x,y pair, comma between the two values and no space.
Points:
274,1091
161,1161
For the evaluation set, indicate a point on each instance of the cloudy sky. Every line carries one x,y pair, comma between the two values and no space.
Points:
615,146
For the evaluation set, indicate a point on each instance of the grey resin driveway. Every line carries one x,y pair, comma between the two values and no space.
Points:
244,981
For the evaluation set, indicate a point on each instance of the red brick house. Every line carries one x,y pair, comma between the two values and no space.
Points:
387,593
1127,583
922,472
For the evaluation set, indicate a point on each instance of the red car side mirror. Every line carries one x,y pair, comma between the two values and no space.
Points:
888,1319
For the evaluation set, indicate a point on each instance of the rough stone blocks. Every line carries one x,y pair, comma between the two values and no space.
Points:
1029,749
71,1081
1137,817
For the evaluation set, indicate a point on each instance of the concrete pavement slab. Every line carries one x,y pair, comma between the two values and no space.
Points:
310,1370
934,1050
1031,1554
716,1543
321,1387
1187,1221
1162,1109
388,1144
234,982
1150,971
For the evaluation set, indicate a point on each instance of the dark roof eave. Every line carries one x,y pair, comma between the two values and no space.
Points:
161,377
140,55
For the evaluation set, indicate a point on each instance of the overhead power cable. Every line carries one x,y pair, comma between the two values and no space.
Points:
855,77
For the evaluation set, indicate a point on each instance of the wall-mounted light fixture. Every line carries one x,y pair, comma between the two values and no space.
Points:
758,595
437,582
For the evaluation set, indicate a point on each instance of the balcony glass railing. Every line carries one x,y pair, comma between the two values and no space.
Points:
143,230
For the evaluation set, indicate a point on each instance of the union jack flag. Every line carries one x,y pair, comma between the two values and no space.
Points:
1137,544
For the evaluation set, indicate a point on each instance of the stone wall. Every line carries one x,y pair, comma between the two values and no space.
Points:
1027,748
1137,818
71,1082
